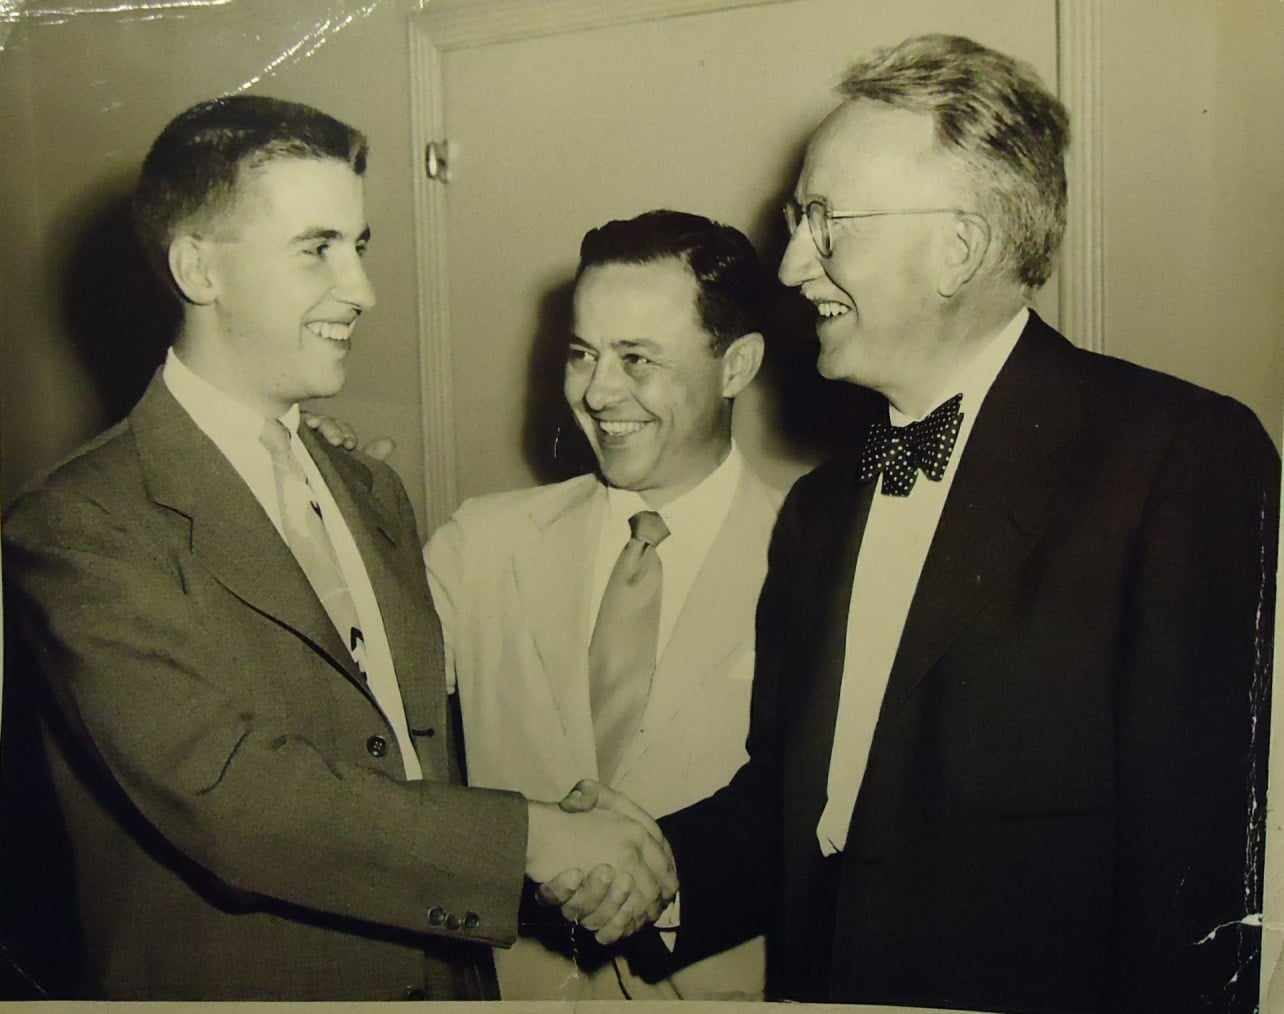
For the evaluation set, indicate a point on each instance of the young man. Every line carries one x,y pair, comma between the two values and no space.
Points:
240,668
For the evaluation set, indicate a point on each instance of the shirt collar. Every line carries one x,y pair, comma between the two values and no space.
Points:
708,500
975,379
217,413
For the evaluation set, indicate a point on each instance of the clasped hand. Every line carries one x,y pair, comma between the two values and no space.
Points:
603,859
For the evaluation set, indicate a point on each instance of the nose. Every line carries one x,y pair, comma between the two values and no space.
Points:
801,260
604,385
352,284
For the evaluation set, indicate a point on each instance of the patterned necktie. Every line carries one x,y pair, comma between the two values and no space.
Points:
899,453
308,540
625,638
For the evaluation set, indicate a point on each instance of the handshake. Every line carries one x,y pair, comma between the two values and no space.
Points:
602,858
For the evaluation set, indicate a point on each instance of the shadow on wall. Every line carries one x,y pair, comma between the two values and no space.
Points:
117,314
552,444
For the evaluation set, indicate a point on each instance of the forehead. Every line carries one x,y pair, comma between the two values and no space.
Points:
654,301
301,193
870,154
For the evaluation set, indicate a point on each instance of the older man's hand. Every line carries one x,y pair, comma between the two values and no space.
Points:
611,871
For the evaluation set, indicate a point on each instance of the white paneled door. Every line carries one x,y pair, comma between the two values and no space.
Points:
548,117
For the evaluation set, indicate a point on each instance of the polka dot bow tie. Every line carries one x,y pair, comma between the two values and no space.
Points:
899,453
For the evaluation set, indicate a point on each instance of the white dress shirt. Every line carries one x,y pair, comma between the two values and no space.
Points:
897,535
693,520
235,430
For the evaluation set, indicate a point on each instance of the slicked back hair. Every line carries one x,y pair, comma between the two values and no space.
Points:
194,168
731,288
994,115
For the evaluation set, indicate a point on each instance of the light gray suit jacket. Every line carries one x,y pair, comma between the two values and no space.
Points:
511,576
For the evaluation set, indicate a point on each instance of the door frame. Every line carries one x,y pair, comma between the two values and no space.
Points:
444,26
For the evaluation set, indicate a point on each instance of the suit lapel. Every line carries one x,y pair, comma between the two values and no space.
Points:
405,615
997,505
231,534
829,575
551,570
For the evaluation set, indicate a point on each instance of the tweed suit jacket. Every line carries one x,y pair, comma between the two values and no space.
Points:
238,819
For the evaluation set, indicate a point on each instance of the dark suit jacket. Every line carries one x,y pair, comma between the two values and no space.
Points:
233,797
1063,804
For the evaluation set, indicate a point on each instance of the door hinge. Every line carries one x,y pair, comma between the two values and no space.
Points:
437,161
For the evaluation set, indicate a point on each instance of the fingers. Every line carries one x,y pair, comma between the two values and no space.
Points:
590,896
561,888
380,448
335,431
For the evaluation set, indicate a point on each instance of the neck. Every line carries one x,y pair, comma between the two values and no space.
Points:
205,357
966,327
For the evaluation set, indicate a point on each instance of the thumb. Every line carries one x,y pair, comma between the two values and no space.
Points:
583,797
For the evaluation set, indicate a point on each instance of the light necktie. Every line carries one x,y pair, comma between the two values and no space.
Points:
309,541
625,638
899,453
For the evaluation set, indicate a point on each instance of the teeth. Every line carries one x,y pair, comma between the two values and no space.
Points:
830,309
619,429
331,330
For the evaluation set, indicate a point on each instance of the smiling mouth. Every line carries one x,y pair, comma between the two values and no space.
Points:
619,428
332,330
828,309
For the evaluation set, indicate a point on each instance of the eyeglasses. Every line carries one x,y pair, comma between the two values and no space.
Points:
819,214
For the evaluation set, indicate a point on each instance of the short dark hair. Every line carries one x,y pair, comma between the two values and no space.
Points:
195,165
994,115
732,290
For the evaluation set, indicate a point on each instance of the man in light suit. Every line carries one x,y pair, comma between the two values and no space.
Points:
1012,700
665,334
240,671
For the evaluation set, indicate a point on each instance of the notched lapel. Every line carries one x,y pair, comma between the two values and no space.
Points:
231,534
551,567
716,622
406,615
997,506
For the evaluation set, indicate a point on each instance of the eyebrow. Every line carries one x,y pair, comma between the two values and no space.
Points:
315,233
628,344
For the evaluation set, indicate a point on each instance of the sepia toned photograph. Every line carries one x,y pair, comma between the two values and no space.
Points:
738,501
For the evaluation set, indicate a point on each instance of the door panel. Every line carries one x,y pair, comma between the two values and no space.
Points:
555,127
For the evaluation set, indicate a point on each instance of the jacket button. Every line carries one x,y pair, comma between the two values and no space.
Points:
436,915
377,746
415,993
453,922
472,920
430,733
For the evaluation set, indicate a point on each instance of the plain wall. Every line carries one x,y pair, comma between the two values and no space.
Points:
81,99
1193,103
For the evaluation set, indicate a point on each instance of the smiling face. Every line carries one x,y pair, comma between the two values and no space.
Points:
881,314
643,379
286,283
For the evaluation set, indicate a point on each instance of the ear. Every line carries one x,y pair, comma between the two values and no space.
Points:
965,252
740,363
189,265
